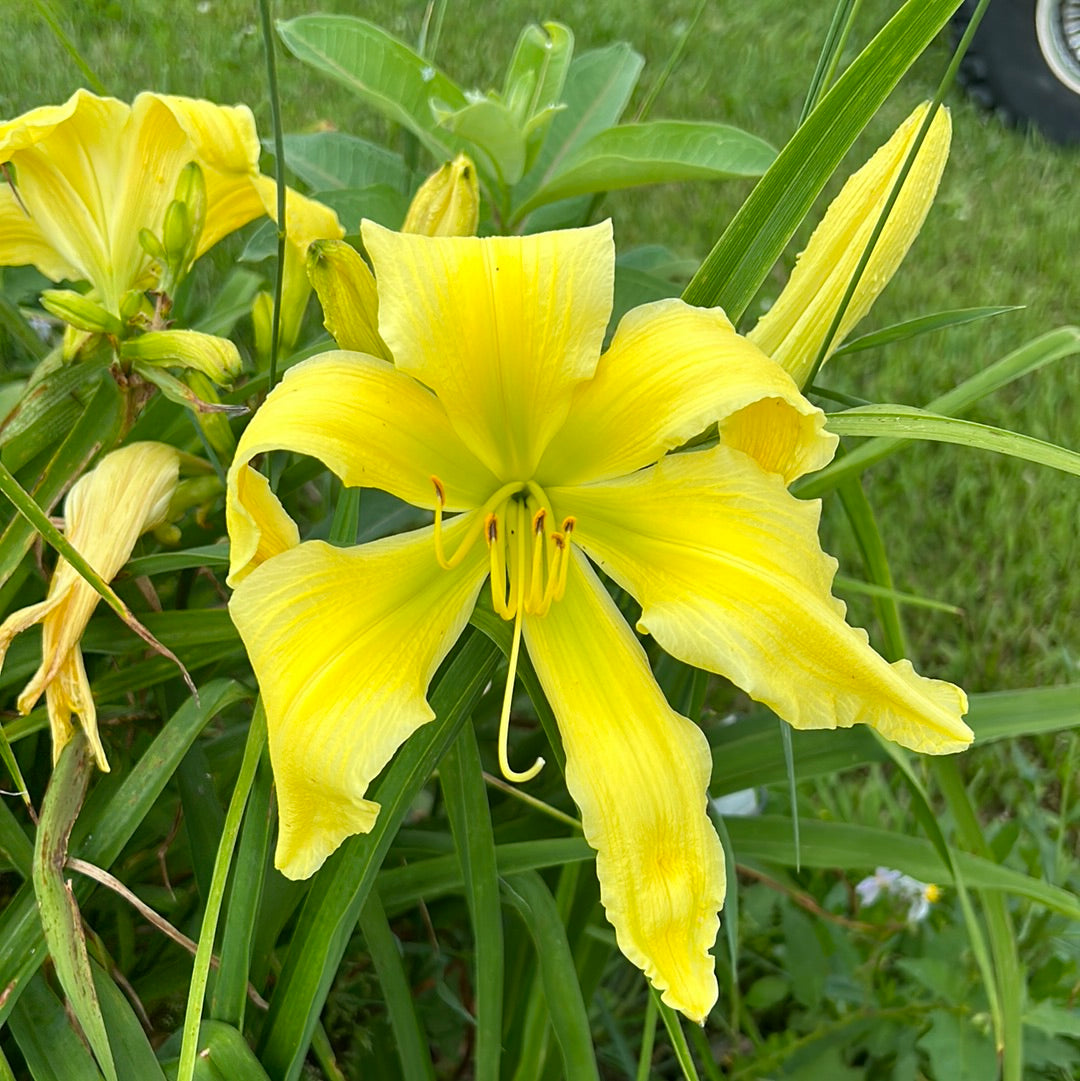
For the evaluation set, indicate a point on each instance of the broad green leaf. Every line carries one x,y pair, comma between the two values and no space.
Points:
537,70
52,407
380,70
957,1049
905,422
15,846
656,152
403,887
61,922
534,81
597,89
742,258
231,302
1030,357
748,753
1028,712
15,328
331,160
208,555
340,889
490,127
923,324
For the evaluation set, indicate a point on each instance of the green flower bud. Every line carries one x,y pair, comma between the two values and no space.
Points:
80,312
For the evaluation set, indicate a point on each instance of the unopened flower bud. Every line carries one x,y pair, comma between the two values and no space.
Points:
794,330
448,202
80,312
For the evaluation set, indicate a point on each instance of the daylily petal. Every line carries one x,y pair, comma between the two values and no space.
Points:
794,328
372,425
726,565
639,773
344,643
502,329
22,243
670,372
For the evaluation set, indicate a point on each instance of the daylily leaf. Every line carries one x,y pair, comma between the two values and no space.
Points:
899,421
852,847
655,153
741,259
923,324
380,69
1030,357
60,918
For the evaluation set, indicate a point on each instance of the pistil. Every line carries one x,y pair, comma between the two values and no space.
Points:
528,563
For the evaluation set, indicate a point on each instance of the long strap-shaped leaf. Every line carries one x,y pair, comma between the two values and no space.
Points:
104,827
741,259
341,888
59,911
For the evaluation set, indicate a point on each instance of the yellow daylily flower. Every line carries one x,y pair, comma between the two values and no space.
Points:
499,405
105,513
90,174
793,330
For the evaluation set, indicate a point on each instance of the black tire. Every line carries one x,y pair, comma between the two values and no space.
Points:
1025,63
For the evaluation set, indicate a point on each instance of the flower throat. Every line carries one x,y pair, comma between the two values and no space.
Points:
528,561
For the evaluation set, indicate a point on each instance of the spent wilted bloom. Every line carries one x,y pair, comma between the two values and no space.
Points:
794,329
499,408
100,191
105,513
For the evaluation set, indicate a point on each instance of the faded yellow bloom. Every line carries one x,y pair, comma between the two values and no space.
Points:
793,330
448,202
105,513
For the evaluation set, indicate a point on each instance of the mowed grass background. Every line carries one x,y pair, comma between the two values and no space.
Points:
995,537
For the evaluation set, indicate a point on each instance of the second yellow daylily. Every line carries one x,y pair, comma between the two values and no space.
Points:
89,175
499,405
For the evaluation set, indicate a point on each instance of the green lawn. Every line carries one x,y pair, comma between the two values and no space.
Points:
995,537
